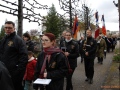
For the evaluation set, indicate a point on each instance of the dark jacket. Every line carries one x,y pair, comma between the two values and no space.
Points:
89,45
108,43
13,53
5,78
56,70
80,47
62,39
72,47
30,45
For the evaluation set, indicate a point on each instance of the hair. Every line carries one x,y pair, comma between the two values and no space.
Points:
89,30
10,22
31,53
51,36
64,31
27,35
68,31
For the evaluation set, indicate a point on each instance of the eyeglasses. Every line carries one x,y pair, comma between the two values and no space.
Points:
8,28
45,40
67,35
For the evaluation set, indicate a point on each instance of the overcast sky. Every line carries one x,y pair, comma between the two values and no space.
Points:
105,7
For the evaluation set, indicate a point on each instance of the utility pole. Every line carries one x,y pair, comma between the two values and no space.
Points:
20,18
85,8
70,6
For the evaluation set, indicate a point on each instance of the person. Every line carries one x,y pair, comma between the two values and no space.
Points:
89,47
71,49
111,41
29,73
62,39
114,42
80,43
5,78
51,65
108,43
28,41
13,53
101,48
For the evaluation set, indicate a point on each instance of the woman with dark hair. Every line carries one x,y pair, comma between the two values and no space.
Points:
51,64
29,43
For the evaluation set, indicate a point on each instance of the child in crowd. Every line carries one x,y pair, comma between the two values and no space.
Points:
30,68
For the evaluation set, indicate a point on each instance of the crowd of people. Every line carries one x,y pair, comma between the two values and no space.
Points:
19,67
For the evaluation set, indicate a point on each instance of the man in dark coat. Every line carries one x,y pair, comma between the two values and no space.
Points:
108,43
5,78
80,43
13,53
89,47
71,50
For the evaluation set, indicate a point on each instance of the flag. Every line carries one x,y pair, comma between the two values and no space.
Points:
76,27
103,26
97,25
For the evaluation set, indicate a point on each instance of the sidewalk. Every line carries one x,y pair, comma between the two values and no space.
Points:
112,81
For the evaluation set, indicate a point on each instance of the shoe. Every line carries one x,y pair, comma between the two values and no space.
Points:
90,81
87,79
81,61
101,63
98,62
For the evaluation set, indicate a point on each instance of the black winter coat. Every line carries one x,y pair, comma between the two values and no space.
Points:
5,78
13,53
30,45
56,70
72,47
90,46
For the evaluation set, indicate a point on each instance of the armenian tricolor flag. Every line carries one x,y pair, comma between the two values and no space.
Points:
76,27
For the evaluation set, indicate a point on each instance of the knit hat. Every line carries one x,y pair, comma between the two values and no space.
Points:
50,36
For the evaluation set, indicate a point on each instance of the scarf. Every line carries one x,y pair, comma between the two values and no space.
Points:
68,40
48,52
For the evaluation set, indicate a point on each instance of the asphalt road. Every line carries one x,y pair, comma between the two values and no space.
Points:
100,73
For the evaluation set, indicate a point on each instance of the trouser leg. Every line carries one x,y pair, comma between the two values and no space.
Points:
101,60
89,68
98,59
86,67
69,85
